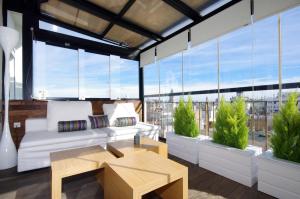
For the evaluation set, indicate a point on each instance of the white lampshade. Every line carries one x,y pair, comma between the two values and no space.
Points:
8,38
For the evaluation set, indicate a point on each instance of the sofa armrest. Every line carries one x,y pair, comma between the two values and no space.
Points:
35,124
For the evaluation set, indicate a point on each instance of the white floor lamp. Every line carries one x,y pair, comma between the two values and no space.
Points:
8,153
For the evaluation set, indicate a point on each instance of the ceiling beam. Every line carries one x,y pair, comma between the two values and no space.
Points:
202,18
120,15
111,17
72,42
54,21
186,10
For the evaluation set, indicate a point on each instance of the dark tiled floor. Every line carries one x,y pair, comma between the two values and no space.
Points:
36,185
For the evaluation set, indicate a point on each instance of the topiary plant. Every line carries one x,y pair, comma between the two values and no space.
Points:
231,124
184,119
286,124
179,118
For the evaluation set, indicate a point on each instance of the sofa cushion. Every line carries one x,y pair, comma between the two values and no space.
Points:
99,121
117,110
125,121
140,127
67,111
69,126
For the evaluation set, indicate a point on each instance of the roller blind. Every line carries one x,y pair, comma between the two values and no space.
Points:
265,8
172,46
226,21
147,57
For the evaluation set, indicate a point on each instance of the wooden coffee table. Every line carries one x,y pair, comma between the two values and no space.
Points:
75,161
127,147
133,176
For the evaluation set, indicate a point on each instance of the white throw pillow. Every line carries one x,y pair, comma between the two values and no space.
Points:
67,111
114,111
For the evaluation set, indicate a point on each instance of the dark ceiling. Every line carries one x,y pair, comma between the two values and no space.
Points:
130,23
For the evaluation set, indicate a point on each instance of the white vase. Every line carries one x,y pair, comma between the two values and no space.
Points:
8,153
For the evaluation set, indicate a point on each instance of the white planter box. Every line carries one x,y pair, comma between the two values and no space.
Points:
277,177
184,147
235,164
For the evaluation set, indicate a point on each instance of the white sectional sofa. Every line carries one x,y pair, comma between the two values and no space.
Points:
42,137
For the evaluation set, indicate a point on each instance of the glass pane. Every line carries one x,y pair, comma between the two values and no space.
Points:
55,74
151,79
290,45
115,83
124,78
265,66
265,58
200,71
235,59
94,75
171,74
129,78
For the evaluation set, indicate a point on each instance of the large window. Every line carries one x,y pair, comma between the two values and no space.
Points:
68,73
246,62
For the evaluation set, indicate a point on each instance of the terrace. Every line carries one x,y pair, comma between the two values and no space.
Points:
96,57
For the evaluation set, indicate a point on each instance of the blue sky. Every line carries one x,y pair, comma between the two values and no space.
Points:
240,64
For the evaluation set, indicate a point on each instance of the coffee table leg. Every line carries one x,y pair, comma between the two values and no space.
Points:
56,186
115,187
100,177
175,190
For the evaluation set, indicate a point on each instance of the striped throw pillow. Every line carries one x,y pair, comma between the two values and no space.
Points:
74,125
125,121
99,121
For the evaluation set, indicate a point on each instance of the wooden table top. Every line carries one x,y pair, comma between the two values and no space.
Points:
120,148
147,171
75,161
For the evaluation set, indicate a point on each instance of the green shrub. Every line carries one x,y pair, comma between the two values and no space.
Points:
231,124
286,124
184,119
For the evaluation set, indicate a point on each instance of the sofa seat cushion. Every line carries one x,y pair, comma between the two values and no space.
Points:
40,138
140,127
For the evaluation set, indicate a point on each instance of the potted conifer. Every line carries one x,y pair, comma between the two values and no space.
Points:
183,143
279,168
228,154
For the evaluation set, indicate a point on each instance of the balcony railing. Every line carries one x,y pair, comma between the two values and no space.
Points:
260,115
